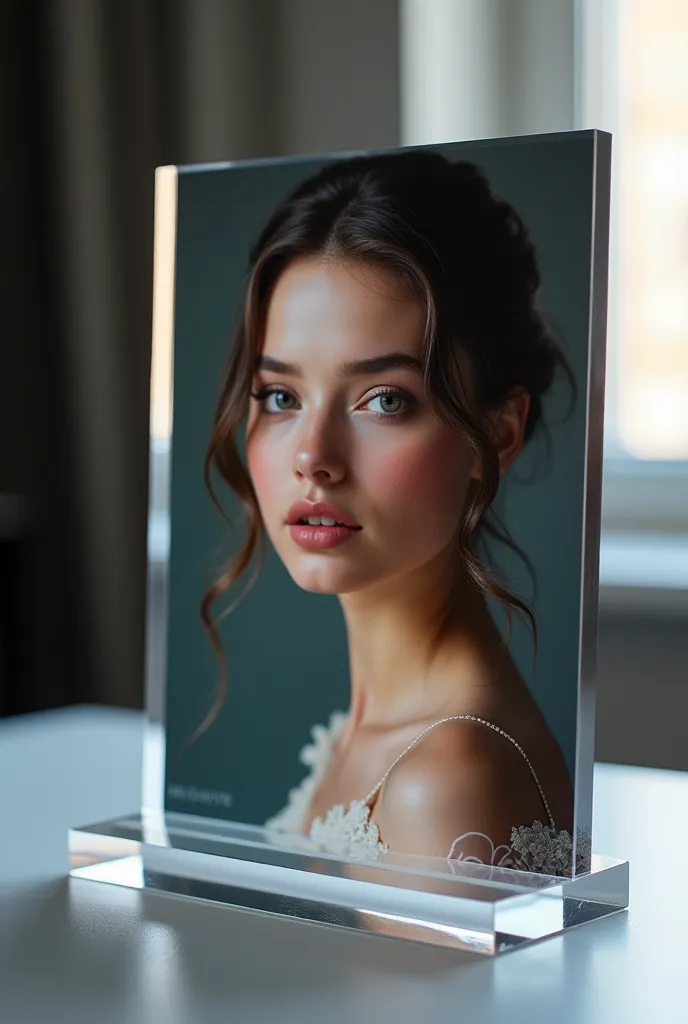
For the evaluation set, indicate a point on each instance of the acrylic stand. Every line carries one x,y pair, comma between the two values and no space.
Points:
452,903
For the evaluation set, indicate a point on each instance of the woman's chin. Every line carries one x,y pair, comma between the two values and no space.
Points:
321,583
327,578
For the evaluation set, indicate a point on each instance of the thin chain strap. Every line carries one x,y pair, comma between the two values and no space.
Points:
481,721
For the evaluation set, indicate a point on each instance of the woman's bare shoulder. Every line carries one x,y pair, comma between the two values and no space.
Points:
462,777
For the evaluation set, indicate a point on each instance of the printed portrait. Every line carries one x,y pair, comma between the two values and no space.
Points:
382,440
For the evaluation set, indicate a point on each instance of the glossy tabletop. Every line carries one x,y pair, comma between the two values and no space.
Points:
73,950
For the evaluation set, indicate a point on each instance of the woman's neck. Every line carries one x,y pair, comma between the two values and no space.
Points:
419,646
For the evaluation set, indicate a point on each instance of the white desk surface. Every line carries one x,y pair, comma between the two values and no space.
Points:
73,950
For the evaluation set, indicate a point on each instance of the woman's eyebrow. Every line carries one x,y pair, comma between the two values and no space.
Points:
380,364
277,366
357,368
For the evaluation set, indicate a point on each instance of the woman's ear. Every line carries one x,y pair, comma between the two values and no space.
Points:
507,425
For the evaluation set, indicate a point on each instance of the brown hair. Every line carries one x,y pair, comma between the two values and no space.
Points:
466,254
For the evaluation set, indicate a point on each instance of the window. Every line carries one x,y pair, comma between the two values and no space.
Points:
633,81
632,65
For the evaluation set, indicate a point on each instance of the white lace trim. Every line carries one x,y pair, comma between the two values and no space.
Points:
316,756
349,832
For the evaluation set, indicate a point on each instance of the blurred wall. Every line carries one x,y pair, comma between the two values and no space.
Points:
642,701
340,75
483,68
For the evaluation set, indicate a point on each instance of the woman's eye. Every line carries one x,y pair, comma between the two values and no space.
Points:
279,401
276,400
389,403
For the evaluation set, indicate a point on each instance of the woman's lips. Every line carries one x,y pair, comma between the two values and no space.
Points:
303,510
321,538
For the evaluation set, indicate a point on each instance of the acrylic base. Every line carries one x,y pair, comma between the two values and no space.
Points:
462,905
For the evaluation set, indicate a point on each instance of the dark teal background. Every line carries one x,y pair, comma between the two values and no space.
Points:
286,648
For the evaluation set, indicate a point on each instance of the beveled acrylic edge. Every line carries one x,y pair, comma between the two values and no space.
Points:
166,192
531,138
471,918
592,494
159,477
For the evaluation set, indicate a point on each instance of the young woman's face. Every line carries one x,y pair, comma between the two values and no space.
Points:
341,429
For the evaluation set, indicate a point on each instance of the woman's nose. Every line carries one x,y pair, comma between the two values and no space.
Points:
319,458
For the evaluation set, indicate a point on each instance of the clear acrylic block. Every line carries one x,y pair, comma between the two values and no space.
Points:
468,906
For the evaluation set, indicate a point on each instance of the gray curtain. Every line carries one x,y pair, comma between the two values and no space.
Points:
95,94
